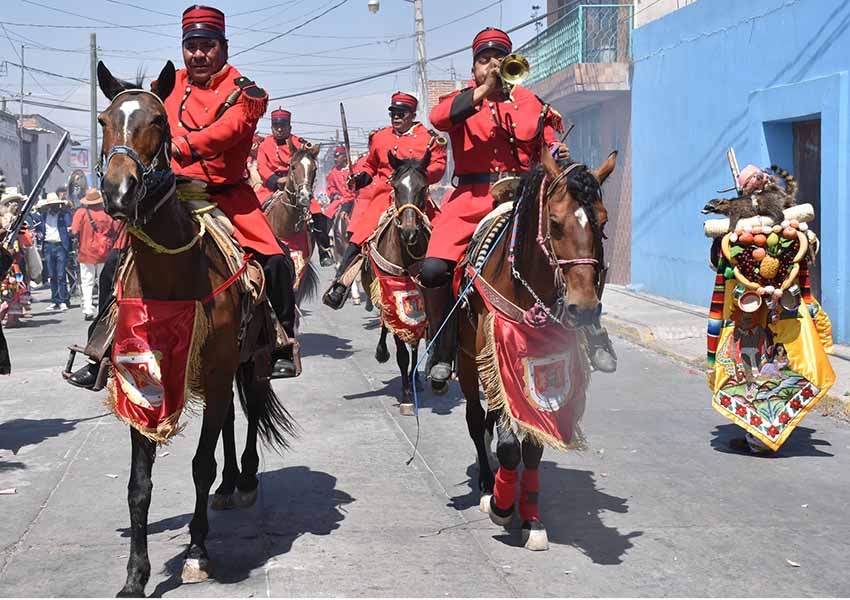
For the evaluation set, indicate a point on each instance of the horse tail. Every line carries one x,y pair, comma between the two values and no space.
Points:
274,423
308,289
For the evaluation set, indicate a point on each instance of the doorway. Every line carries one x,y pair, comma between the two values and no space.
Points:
807,170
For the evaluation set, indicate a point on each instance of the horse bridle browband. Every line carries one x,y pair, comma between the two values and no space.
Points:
151,179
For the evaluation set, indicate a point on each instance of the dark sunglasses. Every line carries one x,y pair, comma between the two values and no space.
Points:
395,112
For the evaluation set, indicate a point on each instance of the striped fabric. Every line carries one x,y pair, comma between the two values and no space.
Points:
715,312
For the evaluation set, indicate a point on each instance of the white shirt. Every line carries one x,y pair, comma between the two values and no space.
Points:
51,230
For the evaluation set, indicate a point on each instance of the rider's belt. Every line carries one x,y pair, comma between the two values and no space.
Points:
478,178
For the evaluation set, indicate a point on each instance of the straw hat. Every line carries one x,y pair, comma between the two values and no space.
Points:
92,198
52,198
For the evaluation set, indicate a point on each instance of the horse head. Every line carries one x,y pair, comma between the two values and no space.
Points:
572,219
303,167
410,190
135,155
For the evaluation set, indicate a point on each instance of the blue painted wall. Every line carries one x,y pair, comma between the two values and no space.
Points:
721,73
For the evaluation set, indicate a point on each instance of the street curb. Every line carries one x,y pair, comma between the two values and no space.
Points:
642,335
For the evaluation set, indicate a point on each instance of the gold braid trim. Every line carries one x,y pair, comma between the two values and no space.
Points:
159,248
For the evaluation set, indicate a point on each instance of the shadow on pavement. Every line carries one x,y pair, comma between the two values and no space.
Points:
571,509
322,344
17,433
440,405
472,497
10,465
799,443
293,502
36,321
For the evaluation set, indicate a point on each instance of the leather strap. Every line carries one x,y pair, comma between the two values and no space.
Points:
495,299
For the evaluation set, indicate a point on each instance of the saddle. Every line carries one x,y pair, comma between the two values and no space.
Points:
260,334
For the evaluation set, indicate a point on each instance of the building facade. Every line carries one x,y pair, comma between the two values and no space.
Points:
766,77
581,65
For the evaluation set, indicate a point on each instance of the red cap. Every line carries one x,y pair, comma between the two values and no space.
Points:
203,21
339,150
281,115
491,38
404,101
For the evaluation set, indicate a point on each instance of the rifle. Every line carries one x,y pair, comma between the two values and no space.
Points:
32,199
345,137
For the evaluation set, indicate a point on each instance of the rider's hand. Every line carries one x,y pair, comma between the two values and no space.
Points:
563,152
359,180
281,183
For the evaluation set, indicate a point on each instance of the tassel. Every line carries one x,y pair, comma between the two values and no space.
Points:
529,489
255,107
505,489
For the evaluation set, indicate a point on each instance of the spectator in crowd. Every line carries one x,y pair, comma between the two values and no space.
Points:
96,231
55,230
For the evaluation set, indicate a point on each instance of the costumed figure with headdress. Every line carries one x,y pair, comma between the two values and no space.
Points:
768,337
15,297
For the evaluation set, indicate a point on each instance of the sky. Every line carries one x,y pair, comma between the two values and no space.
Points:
346,43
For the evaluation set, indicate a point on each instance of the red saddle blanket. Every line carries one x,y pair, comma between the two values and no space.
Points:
401,304
299,250
155,359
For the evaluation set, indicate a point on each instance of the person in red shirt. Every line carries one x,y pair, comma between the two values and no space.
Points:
406,138
96,232
273,160
495,132
212,114
336,183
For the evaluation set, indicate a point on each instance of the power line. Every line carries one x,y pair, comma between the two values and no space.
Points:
404,68
299,26
73,14
43,72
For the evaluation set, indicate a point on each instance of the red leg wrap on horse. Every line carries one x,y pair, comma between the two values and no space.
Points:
505,489
529,489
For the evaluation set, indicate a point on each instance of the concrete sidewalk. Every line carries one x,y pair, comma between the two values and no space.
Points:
678,330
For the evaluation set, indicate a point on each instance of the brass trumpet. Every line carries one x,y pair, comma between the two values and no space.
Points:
514,69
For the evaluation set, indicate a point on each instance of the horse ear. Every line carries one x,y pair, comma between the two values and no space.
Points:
426,160
315,150
606,168
290,144
549,164
394,161
164,84
110,86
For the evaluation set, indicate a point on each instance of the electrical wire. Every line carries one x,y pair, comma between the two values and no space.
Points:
73,14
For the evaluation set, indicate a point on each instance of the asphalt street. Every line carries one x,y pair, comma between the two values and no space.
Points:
658,505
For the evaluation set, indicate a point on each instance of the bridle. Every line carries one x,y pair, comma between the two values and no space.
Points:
289,197
422,221
153,180
540,312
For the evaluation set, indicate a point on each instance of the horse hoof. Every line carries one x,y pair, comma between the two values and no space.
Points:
499,517
534,536
484,503
130,593
221,501
196,570
382,355
406,409
244,499
355,301
439,388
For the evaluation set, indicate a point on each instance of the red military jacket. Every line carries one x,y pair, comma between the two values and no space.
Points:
483,136
337,189
213,149
273,159
411,144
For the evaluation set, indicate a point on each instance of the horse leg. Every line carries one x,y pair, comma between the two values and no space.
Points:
368,306
414,374
196,562
402,357
223,496
533,532
355,292
139,490
509,452
382,355
248,483
475,424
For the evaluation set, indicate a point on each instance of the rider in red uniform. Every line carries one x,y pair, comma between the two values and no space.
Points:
273,160
213,113
494,133
405,138
337,183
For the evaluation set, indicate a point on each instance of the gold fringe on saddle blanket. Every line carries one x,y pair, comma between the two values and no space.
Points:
156,350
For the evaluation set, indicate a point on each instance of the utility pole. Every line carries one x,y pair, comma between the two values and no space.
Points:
21,120
93,89
420,58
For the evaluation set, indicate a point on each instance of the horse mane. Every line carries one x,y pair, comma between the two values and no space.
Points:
581,183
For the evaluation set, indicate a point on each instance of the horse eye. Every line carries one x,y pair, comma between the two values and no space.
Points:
556,229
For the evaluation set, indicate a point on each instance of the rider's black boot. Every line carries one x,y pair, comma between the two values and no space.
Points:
85,377
321,233
279,277
600,350
337,293
438,302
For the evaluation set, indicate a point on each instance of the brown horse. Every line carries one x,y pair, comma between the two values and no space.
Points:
138,188
572,220
396,249
339,227
288,212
